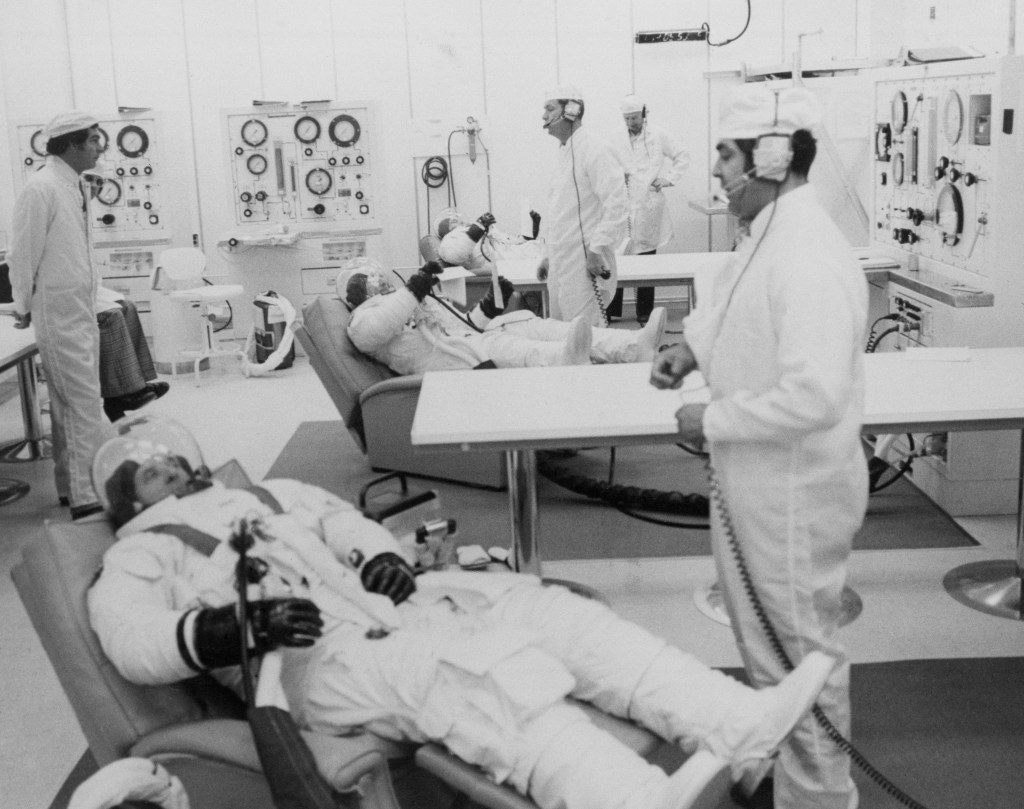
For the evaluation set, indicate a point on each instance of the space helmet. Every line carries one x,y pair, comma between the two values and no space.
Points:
361,278
448,220
138,439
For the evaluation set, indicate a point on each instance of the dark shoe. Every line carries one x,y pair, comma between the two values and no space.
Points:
81,512
63,501
116,406
763,797
159,388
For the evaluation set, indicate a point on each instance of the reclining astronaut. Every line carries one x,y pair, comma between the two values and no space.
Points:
481,662
412,330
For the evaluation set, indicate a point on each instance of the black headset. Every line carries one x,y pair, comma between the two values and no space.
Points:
572,110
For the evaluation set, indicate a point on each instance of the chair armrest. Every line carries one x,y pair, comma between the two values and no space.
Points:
397,384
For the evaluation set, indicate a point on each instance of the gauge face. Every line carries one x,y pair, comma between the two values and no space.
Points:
953,117
104,139
883,140
254,132
319,181
307,129
949,214
344,130
899,111
897,168
38,143
257,164
109,192
132,141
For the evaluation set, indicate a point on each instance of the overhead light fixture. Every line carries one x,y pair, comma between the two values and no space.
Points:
681,35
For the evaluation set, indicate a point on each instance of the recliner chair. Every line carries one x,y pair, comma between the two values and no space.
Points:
377,405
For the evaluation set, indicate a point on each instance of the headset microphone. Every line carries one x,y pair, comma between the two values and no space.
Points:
739,182
553,121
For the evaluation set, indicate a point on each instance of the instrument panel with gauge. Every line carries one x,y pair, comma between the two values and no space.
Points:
308,164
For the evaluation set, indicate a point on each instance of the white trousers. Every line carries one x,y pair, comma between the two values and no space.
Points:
522,339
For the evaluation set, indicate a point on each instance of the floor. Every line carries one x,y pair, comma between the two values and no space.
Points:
907,614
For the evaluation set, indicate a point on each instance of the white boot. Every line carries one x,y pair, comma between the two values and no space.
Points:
702,782
576,350
649,339
681,699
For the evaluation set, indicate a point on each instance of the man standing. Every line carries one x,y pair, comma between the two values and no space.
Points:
587,214
779,338
655,161
54,289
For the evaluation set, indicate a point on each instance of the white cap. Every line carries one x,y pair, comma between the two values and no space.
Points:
566,91
68,122
632,103
751,110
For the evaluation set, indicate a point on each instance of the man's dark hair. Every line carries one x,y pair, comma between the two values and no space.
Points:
120,488
61,143
355,289
803,144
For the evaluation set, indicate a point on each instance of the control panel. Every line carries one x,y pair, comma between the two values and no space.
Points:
308,165
126,199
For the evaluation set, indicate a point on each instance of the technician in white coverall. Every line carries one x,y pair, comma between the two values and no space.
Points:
413,331
587,215
481,662
54,289
780,339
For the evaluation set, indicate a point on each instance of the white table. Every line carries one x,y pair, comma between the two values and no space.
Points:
661,269
17,349
523,410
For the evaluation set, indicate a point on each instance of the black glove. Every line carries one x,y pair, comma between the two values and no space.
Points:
432,268
487,303
389,575
275,622
419,284
477,230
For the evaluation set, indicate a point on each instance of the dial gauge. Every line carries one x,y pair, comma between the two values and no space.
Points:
307,129
949,214
38,143
319,181
897,168
953,117
109,191
899,111
257,164
132,141
104,139
254,132
344,130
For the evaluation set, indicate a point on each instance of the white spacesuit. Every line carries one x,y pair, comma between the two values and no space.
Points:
481,662
413,336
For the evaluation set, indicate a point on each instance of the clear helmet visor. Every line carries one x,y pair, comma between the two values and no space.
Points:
141,442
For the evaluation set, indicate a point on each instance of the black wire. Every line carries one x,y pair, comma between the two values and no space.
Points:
231,310
434,174
707,29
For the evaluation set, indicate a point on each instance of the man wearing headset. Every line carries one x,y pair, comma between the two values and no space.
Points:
779,338
656,161
587,214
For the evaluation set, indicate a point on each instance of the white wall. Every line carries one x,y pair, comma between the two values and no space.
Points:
427,64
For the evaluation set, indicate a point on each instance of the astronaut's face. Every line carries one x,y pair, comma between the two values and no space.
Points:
160,477
634,122
377,283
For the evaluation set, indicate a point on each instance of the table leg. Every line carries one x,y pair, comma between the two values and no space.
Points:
34,445
995,587
522,498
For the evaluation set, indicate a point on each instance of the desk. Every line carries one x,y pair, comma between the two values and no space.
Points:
522,410
17,348
661,269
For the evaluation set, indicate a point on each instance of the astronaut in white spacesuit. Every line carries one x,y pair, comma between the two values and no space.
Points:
479,662
413,331
478,245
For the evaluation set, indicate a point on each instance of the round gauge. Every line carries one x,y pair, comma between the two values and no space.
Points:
949,214
307,129
899,111
344,130
132,141
254,132
257,164
109,192
104,140
953,117
883,142
38,143
897,168
319,181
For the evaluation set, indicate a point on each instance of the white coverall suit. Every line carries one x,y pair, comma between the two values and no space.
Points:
784,364
413,337
53,278
652,154
587,205
480,662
